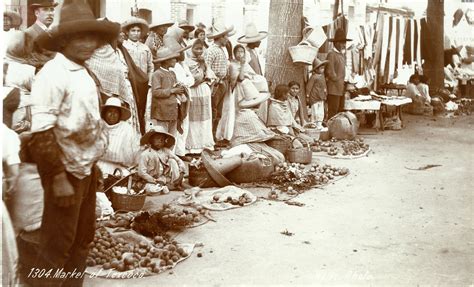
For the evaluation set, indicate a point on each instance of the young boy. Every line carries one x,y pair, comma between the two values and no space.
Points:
166,93
317,92
158,166
135,28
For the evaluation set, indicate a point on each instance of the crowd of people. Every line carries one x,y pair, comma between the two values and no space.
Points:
89,96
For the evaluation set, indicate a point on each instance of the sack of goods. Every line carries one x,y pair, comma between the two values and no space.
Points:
343,126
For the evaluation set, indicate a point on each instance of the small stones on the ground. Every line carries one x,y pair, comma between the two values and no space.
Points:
355,250
287,233
306,242
199,255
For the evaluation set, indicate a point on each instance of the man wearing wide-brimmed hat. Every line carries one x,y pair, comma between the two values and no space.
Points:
335,73
137,28
188,28
217,60
158,30
68,138
253,38
44,13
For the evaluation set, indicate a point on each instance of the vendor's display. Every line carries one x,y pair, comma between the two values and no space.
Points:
129,255
281,143
465,107
294,178
341,148
122,220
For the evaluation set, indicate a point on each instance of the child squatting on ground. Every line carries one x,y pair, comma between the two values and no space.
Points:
158,166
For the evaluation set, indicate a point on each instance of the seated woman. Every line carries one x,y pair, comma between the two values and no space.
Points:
418,93
158,166
124,139
278,116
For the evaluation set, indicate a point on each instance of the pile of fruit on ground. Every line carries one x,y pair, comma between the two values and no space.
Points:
341,148
133,253
293,178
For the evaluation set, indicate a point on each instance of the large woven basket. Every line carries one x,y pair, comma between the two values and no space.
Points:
313,133
280,143
303,53
300,155
253,169
127,202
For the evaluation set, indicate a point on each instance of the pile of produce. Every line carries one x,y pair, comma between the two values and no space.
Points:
111,253
122,220
344,147
294,177
241,200
169,217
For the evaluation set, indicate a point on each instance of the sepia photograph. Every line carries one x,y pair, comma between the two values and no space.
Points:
237,143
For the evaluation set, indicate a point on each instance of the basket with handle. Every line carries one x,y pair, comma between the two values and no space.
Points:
300,155
128,201
303,53
260,165
280,143
314,35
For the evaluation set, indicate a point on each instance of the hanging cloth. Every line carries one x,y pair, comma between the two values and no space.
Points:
385,43
418,43
414,38
401,43
378,41
425,40
393,49
407,47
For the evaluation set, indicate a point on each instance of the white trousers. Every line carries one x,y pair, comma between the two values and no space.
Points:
317,112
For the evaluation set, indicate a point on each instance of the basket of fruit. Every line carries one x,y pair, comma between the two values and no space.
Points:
312,131
300,155
280,143
128,198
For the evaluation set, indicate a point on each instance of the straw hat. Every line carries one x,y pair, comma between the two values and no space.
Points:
43,3
173,39
76,17
317,63
164,54
218,30
252,35
161,22
117,103
252,97
170,140
15,17
136,21
184,24
218,168
340,36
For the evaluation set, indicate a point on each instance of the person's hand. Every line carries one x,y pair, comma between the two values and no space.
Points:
63,190
177,90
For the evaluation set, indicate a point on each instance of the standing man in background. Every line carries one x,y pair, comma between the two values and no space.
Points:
335,73
44,13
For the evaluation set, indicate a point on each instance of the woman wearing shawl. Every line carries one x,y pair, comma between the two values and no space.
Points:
200,110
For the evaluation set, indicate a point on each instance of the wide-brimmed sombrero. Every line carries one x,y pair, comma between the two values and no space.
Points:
173,39
164,54
135,21
170,140
318,63
184,24
218,30
76,17
251,95
15,17
115,102
162,22
339,36
252,35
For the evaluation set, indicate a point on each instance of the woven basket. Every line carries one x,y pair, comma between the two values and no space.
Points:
313,133
128,202
253,169
280,143
300,155
303,53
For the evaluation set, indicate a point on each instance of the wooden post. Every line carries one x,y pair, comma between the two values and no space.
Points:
284,31
434,65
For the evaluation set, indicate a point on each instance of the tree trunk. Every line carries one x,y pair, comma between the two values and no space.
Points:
285,27
434,66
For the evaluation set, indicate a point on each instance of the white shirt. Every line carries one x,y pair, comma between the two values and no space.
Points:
183,74
65,97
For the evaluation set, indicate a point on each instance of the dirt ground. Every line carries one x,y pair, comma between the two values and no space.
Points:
383,224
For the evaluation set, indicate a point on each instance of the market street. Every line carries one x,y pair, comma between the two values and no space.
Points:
383,224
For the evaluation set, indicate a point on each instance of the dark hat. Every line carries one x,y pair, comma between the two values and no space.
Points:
43,3
74,17
340,36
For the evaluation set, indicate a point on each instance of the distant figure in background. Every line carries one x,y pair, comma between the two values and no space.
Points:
44,13
317,92
141,54
11,20
155,38
336,73
253,39
188,28
201,35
